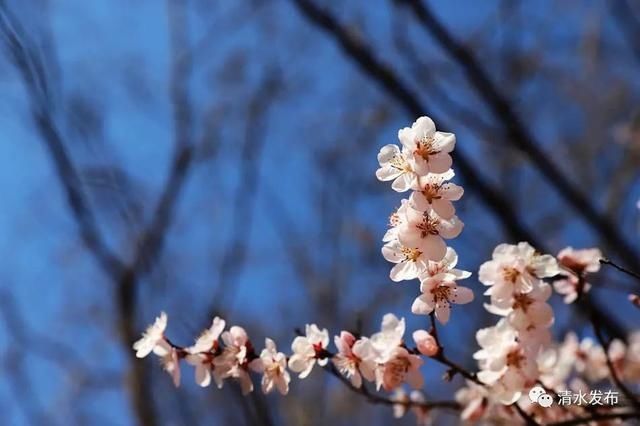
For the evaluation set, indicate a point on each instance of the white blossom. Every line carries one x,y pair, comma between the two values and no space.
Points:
308,349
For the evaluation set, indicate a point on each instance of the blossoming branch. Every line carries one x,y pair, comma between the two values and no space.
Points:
518,360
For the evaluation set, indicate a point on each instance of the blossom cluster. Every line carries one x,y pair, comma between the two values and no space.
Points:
517,355
415,241
573,366
584,362
508,358
383,358
212,360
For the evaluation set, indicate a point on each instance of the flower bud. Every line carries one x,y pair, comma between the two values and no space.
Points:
425,342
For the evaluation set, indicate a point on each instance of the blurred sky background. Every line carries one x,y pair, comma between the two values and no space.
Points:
279,219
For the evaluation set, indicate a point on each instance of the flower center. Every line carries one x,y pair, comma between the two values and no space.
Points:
394,219
431,191
510,274
522,301
411,254
274,369
515,358
397,369
425,147
428,226
398,162
441,293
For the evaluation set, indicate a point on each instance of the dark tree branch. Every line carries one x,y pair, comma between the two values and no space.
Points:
441,358
246,195
31,70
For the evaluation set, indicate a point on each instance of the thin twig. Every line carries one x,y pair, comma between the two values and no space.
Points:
441,358
606,261
378,399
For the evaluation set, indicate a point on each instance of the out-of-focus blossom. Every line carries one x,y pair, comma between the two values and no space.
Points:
308,349
201,354
425,343
515,269
153,336
389,337
355,358
234,360
400,367
576,264
169,360
273,366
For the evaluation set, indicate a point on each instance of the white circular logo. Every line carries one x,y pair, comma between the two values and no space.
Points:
535,393
545,400
538,395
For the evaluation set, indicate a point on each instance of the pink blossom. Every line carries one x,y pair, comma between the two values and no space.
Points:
505,365
169,359
273,366
556,364
401,366
576,264
201,354
389,337
425,343
307,349
396,219
425,232
526,310
515,269
394,165
438,293
434,192
474,399
428,149
355,358
153,336
570,287
234,360
580,261
409,262
448,265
